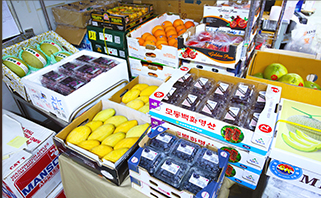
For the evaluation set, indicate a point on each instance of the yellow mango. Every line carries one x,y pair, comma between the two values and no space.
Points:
102,132
93,125
115,155
78,134
101,150
130,95
126,126
126,143
103,115
135,104
145,99
116,120
144,109
89,144
140,86
137,131
149,90
113,139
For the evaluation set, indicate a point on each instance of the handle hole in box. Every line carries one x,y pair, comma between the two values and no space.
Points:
122,94
153,183
312,77
83,122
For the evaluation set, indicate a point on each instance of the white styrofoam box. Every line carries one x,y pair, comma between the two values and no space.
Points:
258,141
166,56
64,106
306,179
244,159
13,80
32,172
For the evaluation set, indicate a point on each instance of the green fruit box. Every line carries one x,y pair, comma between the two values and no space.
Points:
258,141
298,139
145,182
114,172
167,56
66,107
241,158
227,58
295,63
14,81
307,179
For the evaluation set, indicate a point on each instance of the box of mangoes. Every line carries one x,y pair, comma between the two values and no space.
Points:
103,138
31,55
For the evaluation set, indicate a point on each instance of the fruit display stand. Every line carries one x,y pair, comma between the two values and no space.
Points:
33,170
258,141
166,56
114,172
302,65
14,81
65,106
142,179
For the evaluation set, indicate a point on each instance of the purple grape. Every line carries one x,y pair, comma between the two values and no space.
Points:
260,102
243,94
185,81
105,63
69,84
234,114
192,101
69,68
202,86
252,121
88,72
211,108
222,91
84,58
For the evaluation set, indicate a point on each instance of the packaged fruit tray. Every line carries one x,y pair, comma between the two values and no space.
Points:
156,40
13,80
298,139
64,87
122,17
169,164
103,138
242,158
217,48
237,111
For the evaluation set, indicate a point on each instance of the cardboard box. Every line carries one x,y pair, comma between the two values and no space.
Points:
142,175
185,9
34,171
296,153
298,176
227,59
110,50
14,81
213,68
114,172
64,106
168,55
117,97
258,141
119,21
295,64
77,14
244,159
58,192
140,67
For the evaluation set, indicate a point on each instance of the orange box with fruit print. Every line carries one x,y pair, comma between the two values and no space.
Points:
156,40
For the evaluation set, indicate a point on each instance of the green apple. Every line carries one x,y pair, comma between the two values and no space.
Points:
312,85
274,71
259,75
292,78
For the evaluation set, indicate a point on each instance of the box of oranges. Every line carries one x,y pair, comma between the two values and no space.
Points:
156,40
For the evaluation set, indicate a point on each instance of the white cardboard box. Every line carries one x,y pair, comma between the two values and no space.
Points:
33,171
64,106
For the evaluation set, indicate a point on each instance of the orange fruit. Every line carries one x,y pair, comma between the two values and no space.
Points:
149,42
169,28
145,35
157,27
166,24
172,41
170,33
160,43
182,31
162,38
172,36
140,40
189,24
179,28
151,37
158,33
178,22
